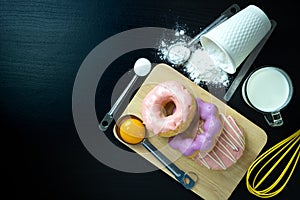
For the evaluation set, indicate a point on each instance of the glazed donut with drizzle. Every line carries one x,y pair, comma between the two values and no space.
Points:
228,149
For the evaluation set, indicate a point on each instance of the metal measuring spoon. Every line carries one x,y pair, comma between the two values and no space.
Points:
141,68
179,53
140,138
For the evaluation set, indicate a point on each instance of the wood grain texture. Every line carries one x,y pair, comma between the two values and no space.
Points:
212,184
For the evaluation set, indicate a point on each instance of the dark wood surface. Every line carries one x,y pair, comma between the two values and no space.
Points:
43,44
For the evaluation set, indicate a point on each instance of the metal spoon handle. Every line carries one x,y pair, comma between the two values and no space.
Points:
180,175
106,121
225,15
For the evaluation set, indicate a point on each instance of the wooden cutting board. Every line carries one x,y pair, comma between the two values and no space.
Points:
212,184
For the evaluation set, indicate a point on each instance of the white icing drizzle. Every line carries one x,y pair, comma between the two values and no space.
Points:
219,161
228,154
229,140
203,161
229,143
237,142
212,158
239,135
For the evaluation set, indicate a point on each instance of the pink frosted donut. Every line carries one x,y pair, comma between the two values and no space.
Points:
201,140
157,120
228,149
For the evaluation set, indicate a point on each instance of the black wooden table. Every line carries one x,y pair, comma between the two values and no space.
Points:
42,46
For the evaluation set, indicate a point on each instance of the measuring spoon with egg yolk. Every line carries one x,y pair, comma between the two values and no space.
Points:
131,130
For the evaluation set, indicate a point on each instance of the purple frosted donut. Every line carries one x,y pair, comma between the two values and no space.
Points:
202,141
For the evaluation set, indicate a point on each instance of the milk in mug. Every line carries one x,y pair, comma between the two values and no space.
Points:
267,89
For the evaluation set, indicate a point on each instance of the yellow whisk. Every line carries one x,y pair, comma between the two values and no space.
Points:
287,145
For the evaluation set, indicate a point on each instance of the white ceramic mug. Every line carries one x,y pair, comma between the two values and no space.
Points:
268,90
231,42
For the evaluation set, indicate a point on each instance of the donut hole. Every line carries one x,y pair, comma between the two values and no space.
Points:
168,108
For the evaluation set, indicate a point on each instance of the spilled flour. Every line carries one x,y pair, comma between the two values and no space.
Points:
200,68
179,37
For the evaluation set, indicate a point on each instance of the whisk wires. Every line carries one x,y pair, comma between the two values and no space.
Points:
287,144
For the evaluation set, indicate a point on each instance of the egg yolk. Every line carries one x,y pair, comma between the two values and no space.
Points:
132,131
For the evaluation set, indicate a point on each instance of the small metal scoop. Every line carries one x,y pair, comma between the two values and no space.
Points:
180,175
179,53
142,67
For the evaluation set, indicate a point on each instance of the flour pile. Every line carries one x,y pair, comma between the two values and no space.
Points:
200,68
179,37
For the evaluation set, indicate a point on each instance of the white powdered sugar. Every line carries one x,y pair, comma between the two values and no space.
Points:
201,68
165,43
218,56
